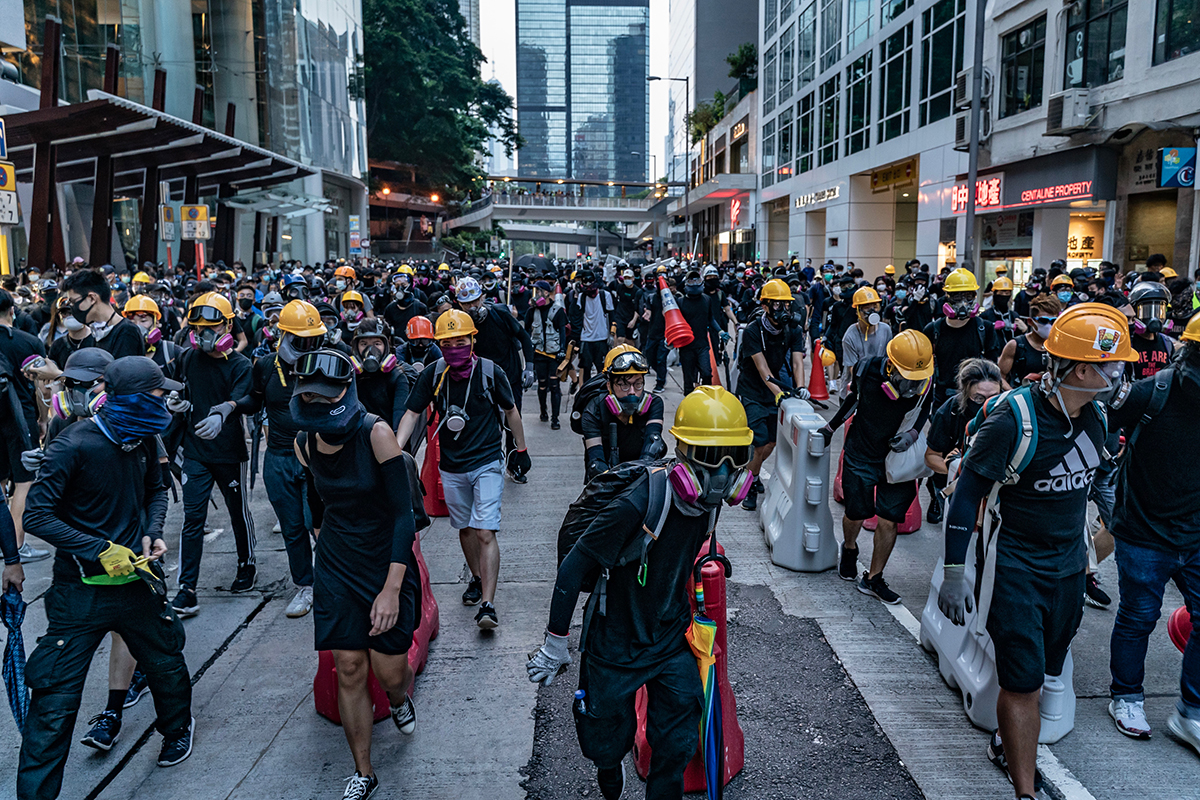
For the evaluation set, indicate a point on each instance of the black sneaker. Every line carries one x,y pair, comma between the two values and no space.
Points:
758,487
554,425
106,727
138,687
474,592
360,788
177,748
486,618
522,479
185,603
244,582
936,506
995,754
848,564
1093,595
405,716
544,416
751,501
573,387
877,587
612,782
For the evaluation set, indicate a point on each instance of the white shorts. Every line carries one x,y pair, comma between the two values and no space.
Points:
473,498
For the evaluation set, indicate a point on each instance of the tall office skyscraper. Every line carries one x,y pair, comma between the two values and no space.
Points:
582,96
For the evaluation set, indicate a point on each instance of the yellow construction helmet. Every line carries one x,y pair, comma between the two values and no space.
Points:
1062,280
828,357
775,289
1002,270
141,303
911,353
302,319
1091,332
1191,333
1002,285
209,308
712,417
142,277
404,269
960,280
443,268
889,270
352,297
625,359
1168,272
454,323
865,297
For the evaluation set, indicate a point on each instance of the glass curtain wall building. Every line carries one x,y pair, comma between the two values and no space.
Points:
582,95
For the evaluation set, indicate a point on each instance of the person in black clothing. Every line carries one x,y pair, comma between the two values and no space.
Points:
1000,315
366,595
1150,302
547,327
382,380
1021,361
915,312
418,350
652,330
978,380
638,637
143,312
406,303
214,449
697,310
890,399
97,519
625,292
89,297
627,411
842,317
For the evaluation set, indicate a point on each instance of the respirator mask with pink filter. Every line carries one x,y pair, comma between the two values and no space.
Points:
707,476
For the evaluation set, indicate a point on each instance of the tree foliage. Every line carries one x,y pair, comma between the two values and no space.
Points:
743,62
426,102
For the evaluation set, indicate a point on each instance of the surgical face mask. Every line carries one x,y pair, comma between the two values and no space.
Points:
627,281
901,294
340,284
1065,296
1043,329
881,287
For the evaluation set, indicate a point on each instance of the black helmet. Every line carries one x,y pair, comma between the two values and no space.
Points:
1147,291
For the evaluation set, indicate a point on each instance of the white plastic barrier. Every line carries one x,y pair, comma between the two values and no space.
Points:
797,523
967,661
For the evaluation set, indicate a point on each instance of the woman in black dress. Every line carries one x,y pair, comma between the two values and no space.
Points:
366,599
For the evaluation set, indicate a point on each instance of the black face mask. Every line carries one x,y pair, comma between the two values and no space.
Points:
245,303
1000,303
80,314
418,350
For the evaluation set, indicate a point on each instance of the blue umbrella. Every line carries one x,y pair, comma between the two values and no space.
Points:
12,608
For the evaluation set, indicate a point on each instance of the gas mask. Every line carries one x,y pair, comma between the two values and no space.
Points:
210,340
77,400
960,307
376,359
897,386
152,335
780,311
478,313
591,290
456,420
1114,393
870,316
1151,317
541,302
693,289
708,485
628,406
333,335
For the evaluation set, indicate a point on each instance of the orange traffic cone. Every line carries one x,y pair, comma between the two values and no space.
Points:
679,333
712,359
817,389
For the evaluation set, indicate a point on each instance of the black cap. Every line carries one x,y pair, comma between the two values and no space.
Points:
87,364
136,374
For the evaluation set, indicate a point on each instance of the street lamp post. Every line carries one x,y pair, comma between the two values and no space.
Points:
973,151
687,165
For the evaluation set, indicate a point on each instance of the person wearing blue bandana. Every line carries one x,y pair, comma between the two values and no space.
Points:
104,582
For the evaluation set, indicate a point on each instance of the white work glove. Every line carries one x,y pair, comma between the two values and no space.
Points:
176,404
32,460
208,428
955,596
801,394
548,661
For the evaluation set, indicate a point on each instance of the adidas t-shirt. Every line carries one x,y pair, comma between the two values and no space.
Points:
1043,515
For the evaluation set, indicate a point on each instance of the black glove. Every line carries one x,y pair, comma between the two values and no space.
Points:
520,463
826,434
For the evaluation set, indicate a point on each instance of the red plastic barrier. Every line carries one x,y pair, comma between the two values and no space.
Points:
325,685
431,477
735,740
1179,626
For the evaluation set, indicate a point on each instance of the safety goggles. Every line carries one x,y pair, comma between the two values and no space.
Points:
205,315
327,364
1151,309
713,456
626,363
306,344
85,386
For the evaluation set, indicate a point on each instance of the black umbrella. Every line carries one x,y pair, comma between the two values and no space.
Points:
12,608
532,262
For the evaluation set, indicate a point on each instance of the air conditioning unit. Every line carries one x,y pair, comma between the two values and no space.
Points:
963,86
1067,112
962,129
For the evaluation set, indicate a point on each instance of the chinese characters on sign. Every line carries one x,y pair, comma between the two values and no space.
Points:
1145,171
832,193
989,193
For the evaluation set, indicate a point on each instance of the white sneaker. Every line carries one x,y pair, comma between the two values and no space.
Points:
302,603
276,528
1130,716
1184,729
30,554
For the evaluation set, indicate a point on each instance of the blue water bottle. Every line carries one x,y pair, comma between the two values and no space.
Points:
580,704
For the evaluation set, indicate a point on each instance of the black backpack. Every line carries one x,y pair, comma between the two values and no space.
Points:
600,493
589,391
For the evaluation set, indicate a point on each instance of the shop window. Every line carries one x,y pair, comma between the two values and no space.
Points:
1176,29
783,144
858,23
891,9
858,105
806,48
787,63
769,18
806,131
831,32
943,30
895,91
768,154
1095,42
769,83
785,10
830,103
1022,61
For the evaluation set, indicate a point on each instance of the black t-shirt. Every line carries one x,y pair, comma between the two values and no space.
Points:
16,346
877,418
269,390
398,317
947,427
1158,500
211,381
1044,513
123,339
630,437
384,394
776,348
480,442
642,625
1153,354
697,312
952,346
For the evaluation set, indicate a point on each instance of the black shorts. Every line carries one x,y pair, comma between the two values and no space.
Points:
342,619
867,492
1032,621
763,420
13,445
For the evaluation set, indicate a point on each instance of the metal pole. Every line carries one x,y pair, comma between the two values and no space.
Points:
973,153
687,159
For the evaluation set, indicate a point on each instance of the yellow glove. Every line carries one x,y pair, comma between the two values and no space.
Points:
117,560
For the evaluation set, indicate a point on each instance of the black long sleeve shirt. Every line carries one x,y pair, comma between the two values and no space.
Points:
212,381
271,385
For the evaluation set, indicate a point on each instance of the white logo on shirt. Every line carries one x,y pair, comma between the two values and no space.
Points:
1076,469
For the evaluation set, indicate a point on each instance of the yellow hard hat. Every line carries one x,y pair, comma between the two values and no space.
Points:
775,289
454,323
712,417
911,353
625,359
1167,272
142,277
301,318
865,297
889,270
352,297
443,268
1091,332
960,280
1192,332
1002,269
1061,280
198,316
828,357
1002,285
405,269
142,303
